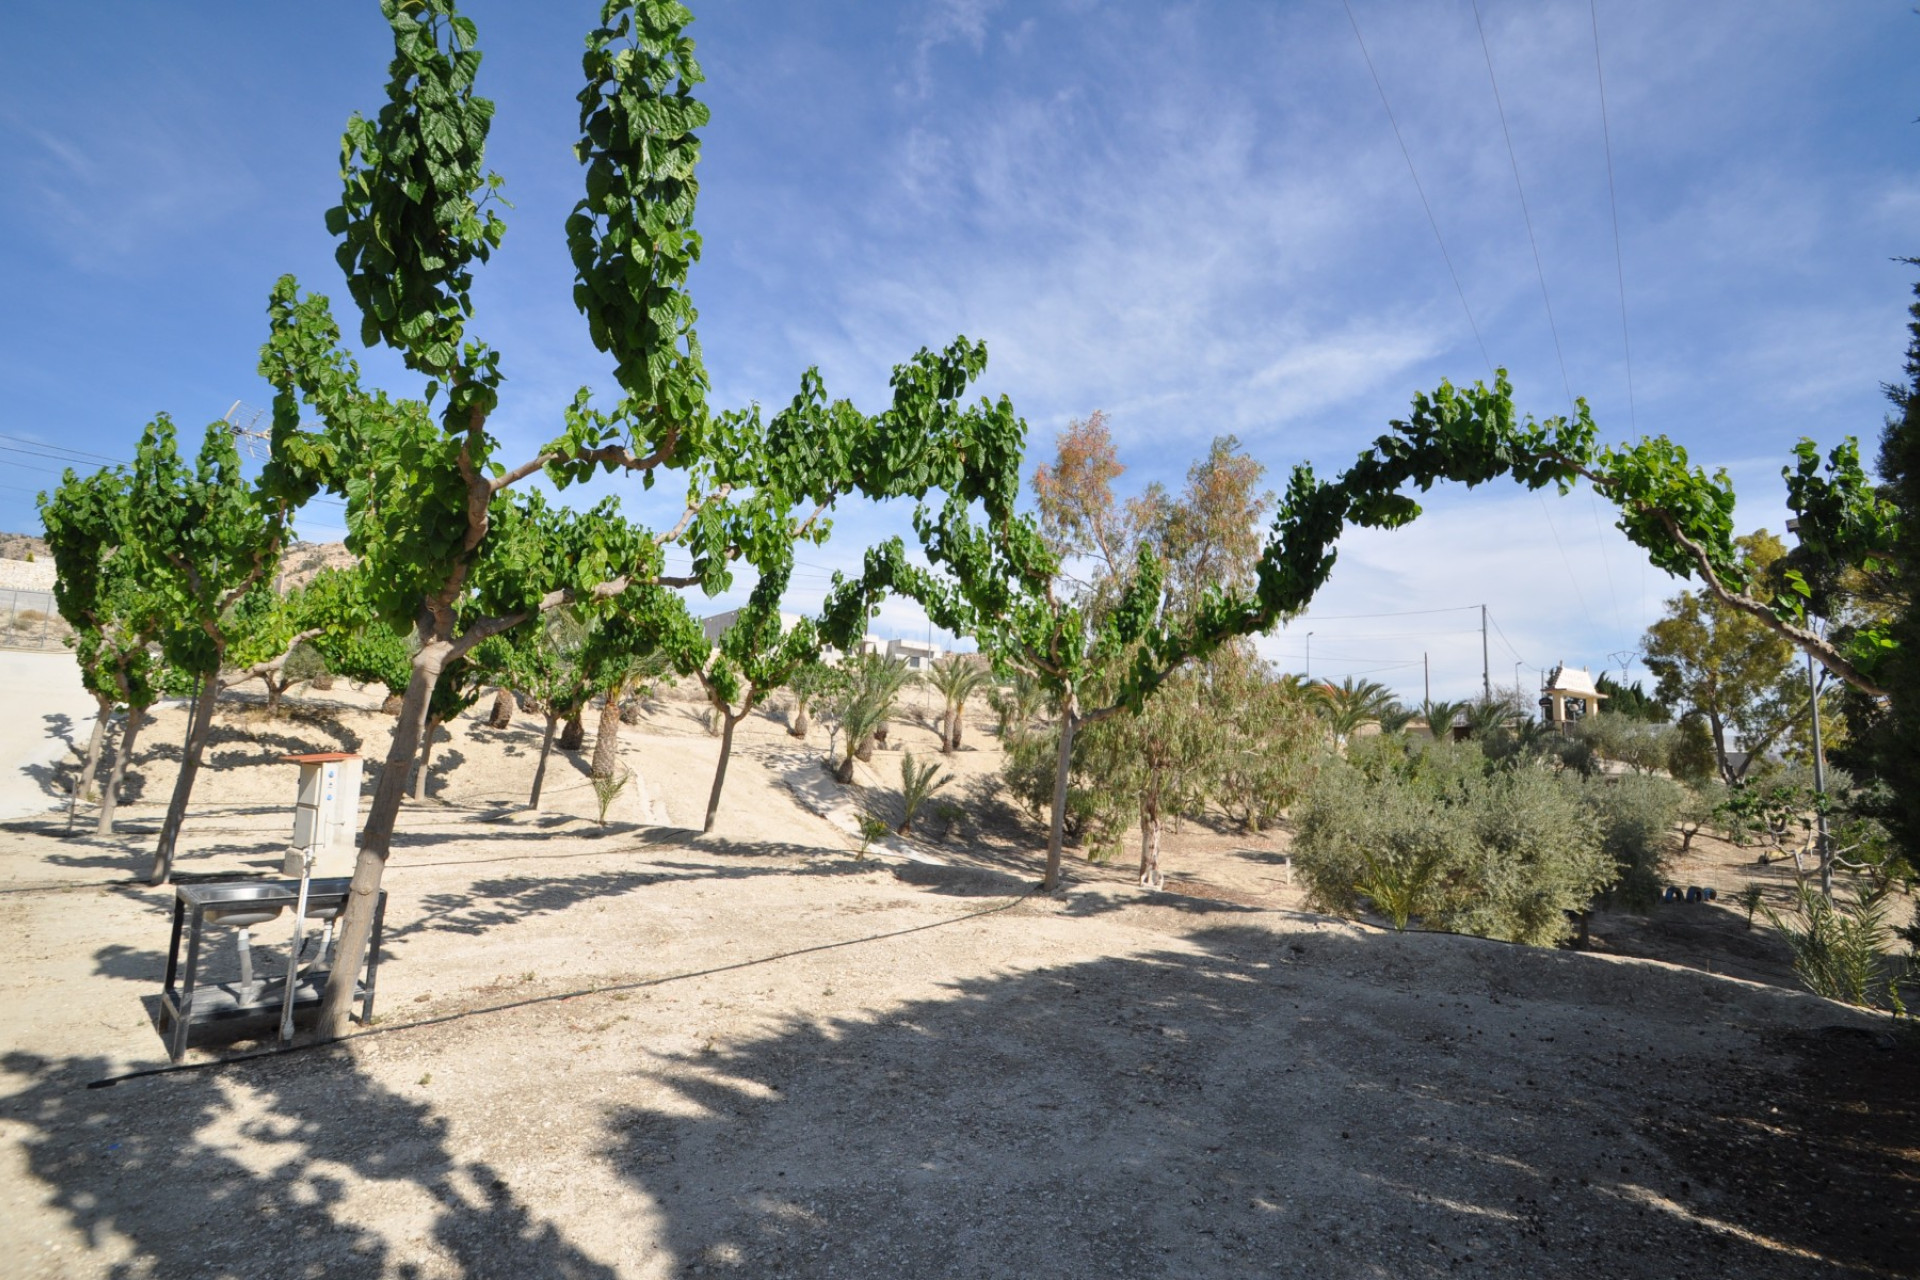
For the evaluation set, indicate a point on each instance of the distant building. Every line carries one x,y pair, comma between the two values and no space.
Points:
918,655
832,657
719,622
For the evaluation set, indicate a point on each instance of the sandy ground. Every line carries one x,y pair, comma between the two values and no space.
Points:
48,714
636,1051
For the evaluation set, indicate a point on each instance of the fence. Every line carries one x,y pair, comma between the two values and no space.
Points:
28,620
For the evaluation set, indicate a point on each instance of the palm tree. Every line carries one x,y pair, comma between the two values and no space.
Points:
917,782
864,706
955,678
1351,703
1486,716
1394,717
1440,716
1017,703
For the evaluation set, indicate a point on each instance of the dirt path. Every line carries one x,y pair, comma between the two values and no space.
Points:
639,1052
47,719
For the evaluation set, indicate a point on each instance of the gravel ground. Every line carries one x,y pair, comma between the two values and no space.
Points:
639,1052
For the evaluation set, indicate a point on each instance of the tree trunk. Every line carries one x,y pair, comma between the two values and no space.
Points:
1056,836
426,758
540,772
136,720
843,771
606,738
1150,877
574,735
720,770
197,730
863,752
376,839
103,712
275,688
503,708
801,720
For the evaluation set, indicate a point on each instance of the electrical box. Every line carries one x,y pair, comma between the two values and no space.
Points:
326,813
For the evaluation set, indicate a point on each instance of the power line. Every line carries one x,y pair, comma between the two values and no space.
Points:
1540,271
1613,203
1503,639
1525,214
1414,173
1398,613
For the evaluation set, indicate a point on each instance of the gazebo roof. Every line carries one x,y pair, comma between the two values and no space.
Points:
1576,682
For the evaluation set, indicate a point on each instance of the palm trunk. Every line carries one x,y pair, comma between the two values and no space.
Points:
96,743
198,729
426,758
136,720
376,840
606,737
540,772
720,771
574,735
503,708
801,721
1056,836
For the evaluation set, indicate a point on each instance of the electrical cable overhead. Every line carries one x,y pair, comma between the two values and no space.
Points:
1417,186
1553,327
1613,204
1503,639
1397,613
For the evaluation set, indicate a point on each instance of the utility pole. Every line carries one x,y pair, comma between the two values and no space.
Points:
1824,845
1309,657
1486,673
1426,676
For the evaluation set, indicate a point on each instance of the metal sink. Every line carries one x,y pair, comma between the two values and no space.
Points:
240,905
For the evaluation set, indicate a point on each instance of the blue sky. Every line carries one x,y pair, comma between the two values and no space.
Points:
1195,217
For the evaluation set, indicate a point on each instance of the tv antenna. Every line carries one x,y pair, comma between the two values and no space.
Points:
243,424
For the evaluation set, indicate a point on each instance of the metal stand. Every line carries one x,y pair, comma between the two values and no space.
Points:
187,999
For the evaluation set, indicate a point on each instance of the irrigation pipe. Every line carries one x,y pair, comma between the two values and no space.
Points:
107,1082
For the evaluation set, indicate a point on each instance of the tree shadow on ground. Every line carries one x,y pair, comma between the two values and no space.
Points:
490,904
154,1163
1217,1112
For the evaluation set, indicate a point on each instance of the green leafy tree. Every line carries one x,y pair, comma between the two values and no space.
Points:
204,538
428,503
98,591
545,662
1725,668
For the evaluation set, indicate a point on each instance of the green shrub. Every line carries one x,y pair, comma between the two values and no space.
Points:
1435,832
304,663
1635,815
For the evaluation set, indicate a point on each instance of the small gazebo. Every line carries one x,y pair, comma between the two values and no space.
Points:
1569,695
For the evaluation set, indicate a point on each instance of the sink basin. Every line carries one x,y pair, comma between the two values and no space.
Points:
238,905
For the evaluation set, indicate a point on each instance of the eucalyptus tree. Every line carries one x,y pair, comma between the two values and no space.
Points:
425,486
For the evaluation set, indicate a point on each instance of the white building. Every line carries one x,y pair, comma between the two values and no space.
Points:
719,622
918,655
